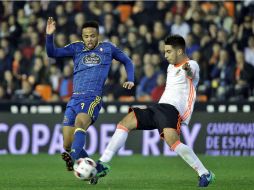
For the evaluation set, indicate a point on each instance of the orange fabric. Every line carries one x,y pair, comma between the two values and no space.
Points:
230,6
125,12
214,59
144,98
237,73
119,126
182,62
15,66
173,147
207,6
126,98
178,125
202,98
190,101
45,91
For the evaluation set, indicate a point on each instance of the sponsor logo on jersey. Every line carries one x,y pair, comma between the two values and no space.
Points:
91,59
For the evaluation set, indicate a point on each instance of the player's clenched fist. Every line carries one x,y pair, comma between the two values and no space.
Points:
128,85
187,68
51,26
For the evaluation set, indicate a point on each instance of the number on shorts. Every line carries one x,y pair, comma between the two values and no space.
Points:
82,105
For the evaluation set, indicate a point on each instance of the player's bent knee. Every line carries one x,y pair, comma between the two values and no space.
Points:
83,121
171,136
129,121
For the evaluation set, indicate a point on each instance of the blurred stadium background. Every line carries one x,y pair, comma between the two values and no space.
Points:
34,90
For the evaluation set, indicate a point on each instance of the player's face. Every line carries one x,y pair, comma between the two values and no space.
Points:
90,37
173,54
170,54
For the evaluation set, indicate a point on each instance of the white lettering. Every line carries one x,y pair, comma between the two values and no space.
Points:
56,144
105,138
190,137
212,142
93,136
25,139
40,137
3,128
150,142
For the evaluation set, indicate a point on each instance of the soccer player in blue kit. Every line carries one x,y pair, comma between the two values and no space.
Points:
92,60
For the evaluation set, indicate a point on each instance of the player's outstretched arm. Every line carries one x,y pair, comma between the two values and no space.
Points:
51,26
50,48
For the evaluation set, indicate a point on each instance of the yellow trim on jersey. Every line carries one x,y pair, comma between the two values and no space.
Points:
73,43
93,105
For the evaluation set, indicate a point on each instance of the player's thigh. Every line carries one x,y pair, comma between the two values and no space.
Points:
129,121
68,132
87,109
170,136
167,117
139,119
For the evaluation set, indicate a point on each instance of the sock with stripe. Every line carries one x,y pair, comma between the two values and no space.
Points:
78,144
117,141
187,154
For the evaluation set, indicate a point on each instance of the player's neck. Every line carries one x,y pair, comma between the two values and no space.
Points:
181,60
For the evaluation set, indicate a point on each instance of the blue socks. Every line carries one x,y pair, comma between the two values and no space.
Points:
78,143
83,154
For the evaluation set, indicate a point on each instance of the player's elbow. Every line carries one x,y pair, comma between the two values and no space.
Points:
50,54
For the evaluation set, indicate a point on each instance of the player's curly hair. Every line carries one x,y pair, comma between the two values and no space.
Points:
92,24
175,41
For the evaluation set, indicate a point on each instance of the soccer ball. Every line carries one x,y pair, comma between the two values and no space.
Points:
85,168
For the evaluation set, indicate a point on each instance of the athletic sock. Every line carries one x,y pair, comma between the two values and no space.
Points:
117,141
189,157
83,154
78,143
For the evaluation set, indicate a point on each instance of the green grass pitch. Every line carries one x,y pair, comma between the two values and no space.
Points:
47,172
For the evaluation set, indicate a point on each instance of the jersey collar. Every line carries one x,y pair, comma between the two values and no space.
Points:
182,62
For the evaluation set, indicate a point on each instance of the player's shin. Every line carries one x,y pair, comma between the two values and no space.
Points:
78,144
117,141
187,154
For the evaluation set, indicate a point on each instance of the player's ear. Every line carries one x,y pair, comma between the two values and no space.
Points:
179,51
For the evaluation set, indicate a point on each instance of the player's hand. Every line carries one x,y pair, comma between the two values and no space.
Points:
188,70
128,85
51,26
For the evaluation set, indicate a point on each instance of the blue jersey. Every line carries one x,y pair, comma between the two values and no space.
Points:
91,67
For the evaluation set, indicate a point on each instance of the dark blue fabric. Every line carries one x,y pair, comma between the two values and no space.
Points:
91,67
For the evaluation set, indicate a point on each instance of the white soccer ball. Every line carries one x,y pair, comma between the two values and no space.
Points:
85,168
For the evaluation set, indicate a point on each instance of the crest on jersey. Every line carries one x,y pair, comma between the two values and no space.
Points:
91,59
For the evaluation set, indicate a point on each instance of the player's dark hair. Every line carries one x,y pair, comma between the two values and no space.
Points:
175,41
92,24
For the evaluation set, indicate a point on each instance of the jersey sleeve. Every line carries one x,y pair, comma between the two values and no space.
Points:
195,70
119,55
52,51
